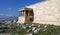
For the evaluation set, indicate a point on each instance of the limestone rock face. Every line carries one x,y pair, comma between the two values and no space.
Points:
21,19
46,12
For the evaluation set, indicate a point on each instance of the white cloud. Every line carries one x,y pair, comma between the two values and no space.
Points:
10,15
6,14
9,8
1,14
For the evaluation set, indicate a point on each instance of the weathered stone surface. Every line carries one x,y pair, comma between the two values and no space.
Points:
46,12
21,19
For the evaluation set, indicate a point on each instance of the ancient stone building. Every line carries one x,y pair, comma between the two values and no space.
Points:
46,12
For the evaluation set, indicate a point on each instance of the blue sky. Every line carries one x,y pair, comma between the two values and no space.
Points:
10,7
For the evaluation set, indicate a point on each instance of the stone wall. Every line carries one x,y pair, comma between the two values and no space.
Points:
21,19
46,12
